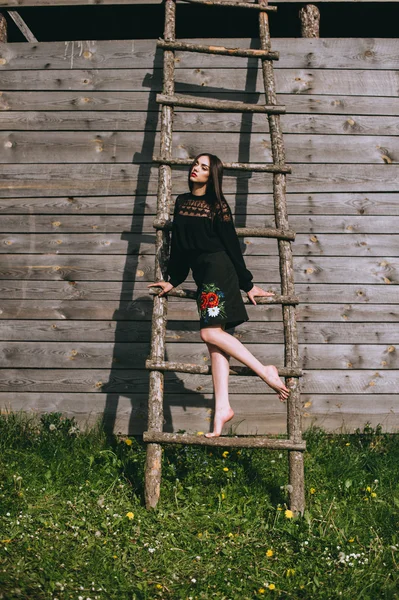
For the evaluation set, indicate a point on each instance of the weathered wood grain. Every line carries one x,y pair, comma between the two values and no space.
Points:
197,121
104,291
130,268
127,413
128,381
106,179
182,310
88,355
136,243
327,53
288,81
242,205
326,333
136,101
120,147
95,224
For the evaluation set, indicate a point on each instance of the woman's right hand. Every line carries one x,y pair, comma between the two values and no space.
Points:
165,285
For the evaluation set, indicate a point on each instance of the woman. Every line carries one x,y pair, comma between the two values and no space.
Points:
204,239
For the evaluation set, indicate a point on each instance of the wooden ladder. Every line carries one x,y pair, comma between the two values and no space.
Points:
156,362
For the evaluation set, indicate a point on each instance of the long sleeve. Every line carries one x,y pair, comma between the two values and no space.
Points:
178,267
224,227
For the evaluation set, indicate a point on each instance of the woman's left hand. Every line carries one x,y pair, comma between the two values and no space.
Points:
257,291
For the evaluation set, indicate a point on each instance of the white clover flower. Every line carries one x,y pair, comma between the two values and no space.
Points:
151,550
52,427
193,580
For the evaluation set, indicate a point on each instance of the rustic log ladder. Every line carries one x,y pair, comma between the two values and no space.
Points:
156,363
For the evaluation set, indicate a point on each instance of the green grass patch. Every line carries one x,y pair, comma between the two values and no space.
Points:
73,523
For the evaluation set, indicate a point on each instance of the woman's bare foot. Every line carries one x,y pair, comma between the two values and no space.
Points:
273,380
220,419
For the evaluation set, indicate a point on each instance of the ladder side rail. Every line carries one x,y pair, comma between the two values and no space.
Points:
159,316
294,430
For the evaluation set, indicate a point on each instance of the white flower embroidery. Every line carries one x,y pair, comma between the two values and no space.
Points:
212,312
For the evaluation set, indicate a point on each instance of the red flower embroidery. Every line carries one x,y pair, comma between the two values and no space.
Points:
204,300
213,299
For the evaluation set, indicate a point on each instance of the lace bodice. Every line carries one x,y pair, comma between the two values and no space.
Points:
200,207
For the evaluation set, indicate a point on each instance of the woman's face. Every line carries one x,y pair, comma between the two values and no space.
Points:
200,170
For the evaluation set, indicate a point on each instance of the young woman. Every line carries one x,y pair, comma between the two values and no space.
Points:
204,239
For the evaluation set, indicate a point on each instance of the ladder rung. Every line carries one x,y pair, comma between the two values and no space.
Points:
153,365
245,52
267,232
258,167
234,4
191,295
223,441
221,105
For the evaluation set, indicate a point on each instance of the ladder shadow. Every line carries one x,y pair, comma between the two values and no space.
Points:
138,330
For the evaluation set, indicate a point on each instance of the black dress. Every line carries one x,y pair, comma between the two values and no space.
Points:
208,244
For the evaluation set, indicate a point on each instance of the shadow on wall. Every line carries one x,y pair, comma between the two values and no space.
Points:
139,329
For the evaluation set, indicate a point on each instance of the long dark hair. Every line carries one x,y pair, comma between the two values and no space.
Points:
214,183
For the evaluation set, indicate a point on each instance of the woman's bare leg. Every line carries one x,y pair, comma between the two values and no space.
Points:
220,378
215,335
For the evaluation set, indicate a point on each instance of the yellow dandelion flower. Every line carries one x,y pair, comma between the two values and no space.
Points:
347,444
279,508
225,454
225,468
351,540
269,553
261,590
114,556
230,535
289,514
158,586
368,489
223,496
312,491
130,515
199,535
200,433
365,499
373,494
128,442
271,586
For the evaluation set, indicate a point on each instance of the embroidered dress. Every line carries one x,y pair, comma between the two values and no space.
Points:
211,248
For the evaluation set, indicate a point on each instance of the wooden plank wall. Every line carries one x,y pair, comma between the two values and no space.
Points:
79,125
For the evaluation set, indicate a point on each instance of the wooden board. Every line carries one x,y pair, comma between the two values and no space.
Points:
127,414
182,310
138,243
129,381
125,147
324,204
321,269
62,328
106,179
323,53
337,104
188,81
87,355
98,292
197,121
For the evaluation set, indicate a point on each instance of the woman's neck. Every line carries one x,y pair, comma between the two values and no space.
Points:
199,190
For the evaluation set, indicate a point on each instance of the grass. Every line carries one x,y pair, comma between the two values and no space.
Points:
73,522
